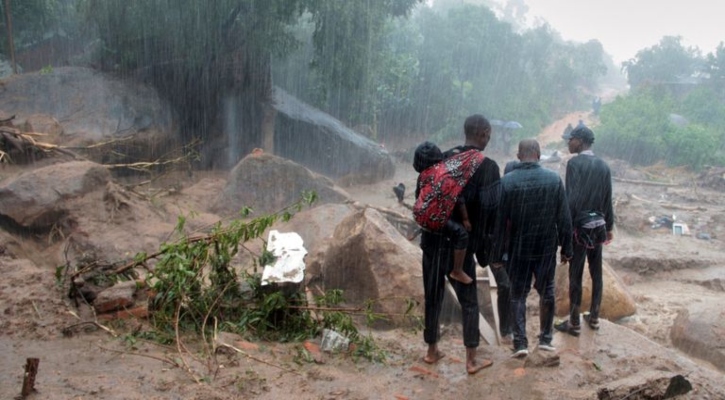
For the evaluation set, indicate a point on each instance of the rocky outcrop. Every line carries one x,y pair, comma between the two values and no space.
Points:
617,302
38,198
370,260
699,331
268,183
93,106
325,145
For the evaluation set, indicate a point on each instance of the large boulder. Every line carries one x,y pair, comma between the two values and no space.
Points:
617,302
370,260
316,225
699,330
268,183
78,202
92,106
325,145
38,198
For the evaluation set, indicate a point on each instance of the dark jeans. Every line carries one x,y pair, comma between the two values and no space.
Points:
437,263
521,273
576,272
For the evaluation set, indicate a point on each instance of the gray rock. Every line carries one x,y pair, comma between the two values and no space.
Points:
325,145
90,105
37,198
268,183
617,302
370,260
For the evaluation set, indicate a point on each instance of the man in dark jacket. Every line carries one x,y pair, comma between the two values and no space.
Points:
589,189
533,220
438,254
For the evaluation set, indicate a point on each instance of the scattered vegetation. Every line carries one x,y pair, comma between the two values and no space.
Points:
194,288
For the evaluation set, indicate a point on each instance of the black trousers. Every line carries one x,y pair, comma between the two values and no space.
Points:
437,263
503,289
521,272
576,272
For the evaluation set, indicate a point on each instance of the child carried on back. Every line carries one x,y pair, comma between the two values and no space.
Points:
427,155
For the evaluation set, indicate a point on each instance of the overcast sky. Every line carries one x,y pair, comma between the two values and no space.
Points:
627,26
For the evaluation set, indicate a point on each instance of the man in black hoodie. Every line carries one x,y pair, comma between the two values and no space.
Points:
589,190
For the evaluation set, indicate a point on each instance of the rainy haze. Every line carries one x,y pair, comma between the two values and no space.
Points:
388,69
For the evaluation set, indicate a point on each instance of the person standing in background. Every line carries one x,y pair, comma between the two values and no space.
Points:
589,192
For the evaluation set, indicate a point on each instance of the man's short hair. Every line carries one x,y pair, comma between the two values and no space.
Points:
582,133
474,123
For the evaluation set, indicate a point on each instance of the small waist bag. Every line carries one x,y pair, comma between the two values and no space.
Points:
590,229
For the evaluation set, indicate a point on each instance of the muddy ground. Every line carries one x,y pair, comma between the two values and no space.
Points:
663,272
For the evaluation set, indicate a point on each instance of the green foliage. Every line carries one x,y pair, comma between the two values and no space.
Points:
194,284
638,128
715,68
211,50
193,278
32,19
428,72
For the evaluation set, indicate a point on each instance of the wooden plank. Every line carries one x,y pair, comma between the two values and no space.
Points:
487,333
494,304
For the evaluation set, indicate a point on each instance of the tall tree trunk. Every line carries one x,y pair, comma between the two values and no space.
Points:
11,45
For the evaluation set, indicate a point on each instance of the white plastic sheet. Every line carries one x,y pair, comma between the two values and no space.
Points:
290,263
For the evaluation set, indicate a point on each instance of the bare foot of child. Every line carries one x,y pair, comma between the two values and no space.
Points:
461,276
473,367
432,358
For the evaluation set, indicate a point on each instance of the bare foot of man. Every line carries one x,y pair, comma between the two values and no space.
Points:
461,276
474,366
434,357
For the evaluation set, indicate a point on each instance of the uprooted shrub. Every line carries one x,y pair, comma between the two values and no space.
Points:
195,288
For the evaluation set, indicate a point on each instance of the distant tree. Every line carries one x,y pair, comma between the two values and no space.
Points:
715,67
589,62
351,53
667,62
199,53
31,19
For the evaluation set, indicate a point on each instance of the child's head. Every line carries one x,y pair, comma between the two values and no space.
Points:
426,155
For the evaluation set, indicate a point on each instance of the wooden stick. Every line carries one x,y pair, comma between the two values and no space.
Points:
648,183
165,360
669,205
31,370
242,352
